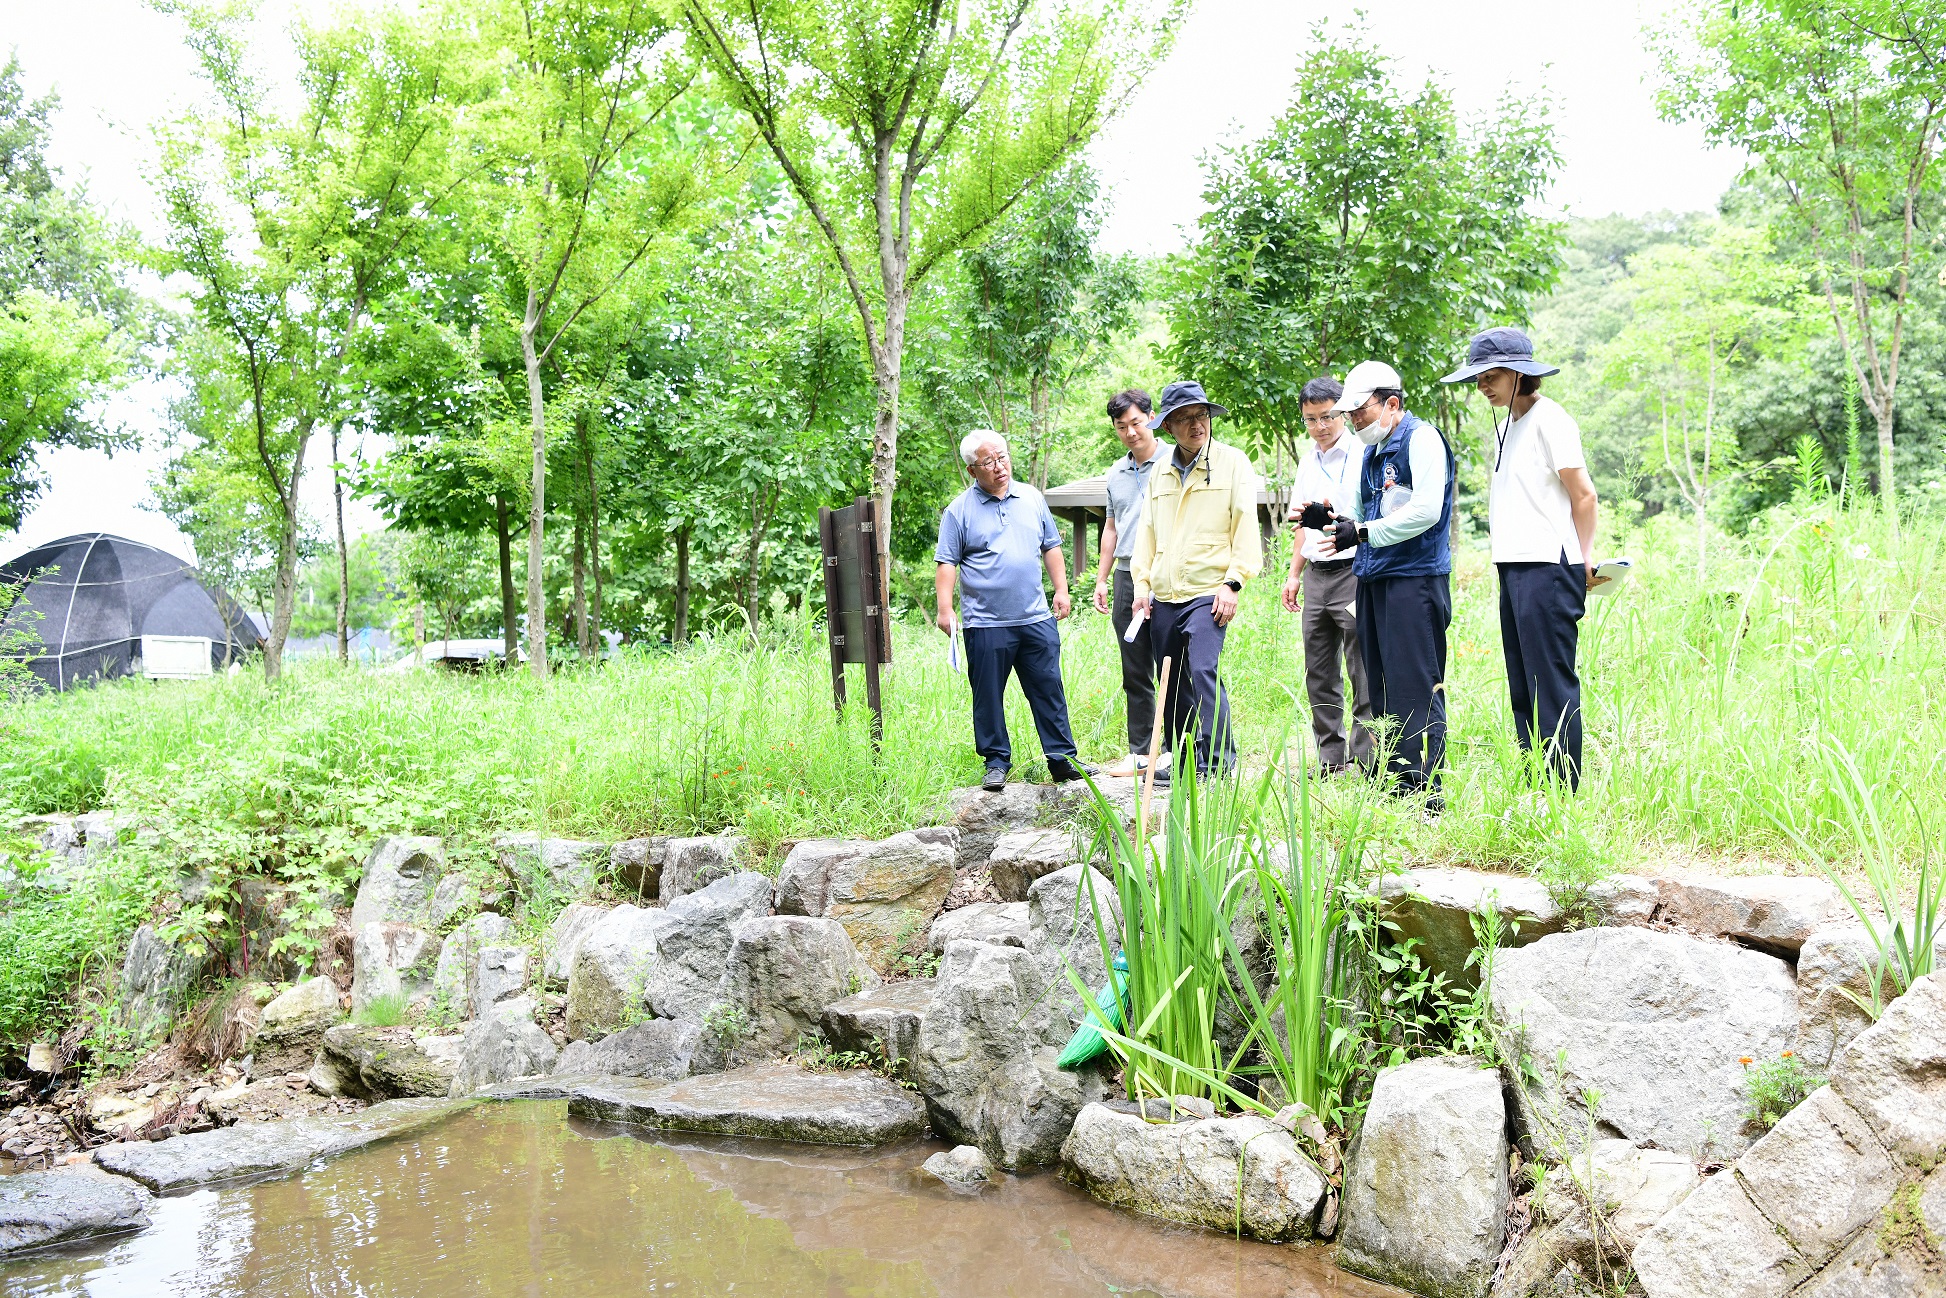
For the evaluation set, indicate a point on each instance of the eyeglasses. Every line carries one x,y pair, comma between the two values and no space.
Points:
993,461
1319,421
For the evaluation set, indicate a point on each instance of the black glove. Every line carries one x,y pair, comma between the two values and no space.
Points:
1345,536
1316,516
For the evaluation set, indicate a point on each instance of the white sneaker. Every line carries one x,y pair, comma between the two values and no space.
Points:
1133,764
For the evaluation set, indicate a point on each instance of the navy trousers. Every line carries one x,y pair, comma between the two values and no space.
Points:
1189,636
1402,625
1032,653
1540,629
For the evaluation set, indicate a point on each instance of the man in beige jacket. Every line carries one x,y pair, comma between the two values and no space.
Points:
1197,544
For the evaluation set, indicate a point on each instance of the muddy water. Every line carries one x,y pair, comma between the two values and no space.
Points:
515,1200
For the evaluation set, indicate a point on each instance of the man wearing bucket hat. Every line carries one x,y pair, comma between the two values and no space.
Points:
1404,568
1196,545
1542,514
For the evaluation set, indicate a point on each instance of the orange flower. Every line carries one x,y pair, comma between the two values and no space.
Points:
1788,1053
1745,1060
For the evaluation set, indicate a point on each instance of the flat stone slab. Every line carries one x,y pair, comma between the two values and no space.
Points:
888,1015
42,1208
767,1101
268,1148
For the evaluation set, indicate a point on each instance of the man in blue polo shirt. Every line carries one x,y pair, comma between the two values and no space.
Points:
994,540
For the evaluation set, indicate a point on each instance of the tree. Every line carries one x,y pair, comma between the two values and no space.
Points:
1366,224
1842,103
68,322
907,128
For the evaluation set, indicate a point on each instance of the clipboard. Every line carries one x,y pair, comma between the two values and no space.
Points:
1613,573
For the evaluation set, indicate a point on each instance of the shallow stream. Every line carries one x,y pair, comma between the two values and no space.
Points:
517,1199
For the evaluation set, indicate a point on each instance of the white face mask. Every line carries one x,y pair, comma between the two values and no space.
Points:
1373,433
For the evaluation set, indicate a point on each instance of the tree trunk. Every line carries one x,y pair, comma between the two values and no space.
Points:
284,586
580,584
885,437
680,631
537,506
594,550
753,564
1887,485
419,630
344,558
509,614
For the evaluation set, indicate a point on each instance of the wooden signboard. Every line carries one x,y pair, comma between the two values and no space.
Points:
857,622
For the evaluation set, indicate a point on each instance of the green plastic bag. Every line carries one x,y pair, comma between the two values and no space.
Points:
1087,1041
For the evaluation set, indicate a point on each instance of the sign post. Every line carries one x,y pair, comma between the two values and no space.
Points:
857,623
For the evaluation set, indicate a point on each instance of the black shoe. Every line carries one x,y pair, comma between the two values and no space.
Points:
996,777
1063,769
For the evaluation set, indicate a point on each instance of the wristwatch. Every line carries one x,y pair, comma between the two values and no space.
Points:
1234,585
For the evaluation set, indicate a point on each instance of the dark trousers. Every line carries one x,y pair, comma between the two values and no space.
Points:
1331,654
1189,636
1033,654
1402,625
1540,628
1138,666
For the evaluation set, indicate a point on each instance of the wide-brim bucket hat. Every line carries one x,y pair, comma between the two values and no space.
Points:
1503,348
1188,392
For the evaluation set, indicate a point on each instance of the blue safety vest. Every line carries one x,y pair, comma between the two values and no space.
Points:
1428,554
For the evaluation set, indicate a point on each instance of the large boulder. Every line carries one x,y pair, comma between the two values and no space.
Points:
499,984
885,893
982,921
1438,906
610,977
401,878
883,1020
783,970
74,1203
1653,1023
293,1023
1830,1198
1835,970
693,944
459,962
455,898
769,1101
393,962
985,1059
982,817
1021,857
636,864
564,940
1425,1199
156,978
564,867
658,1048
368,1063
1770,912
691,864
499,1048
1223,1174
1595,1211
1066,911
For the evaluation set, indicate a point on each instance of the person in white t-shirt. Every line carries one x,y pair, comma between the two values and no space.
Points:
1541,515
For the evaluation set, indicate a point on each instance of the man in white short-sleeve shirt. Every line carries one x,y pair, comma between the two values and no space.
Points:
1542,515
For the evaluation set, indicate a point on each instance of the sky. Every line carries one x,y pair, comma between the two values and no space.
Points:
119,66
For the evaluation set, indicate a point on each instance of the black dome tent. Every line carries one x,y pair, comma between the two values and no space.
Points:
97,595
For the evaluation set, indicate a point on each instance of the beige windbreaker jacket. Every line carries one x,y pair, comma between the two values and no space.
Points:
1197,534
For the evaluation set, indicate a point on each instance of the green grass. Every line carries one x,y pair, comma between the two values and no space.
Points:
1707,703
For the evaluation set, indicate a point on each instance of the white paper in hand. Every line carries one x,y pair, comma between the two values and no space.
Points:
1609,574
952,646
1135,626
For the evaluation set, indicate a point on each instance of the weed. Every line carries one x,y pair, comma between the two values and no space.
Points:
728,1022
382,1011
1774,1087
1903,1227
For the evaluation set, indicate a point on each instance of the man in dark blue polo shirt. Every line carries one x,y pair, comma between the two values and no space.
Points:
994,539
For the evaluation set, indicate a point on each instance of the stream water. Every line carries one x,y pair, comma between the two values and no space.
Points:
517,1199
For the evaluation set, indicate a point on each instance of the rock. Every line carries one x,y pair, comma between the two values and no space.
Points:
1894,1075
41,1208
1623,899
1773,913
961,1167
459,962
689,864
1654,1022
885,894
636,864
1633,1187
881,1020
385,1063
1189,1172
985,1060
1021,857
1425,1198
783,970
292,1025
658,1048
693,947
1062,909
564,867
1437,907
1836,959
769,1101
564,939
610,976
43,1058
401,878
497,1049
156,978
983,921
392,962
1716,1245
982,817
499,978
1903,1254
456,897
254,1149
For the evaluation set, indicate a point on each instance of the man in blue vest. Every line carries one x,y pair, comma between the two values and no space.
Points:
1404,568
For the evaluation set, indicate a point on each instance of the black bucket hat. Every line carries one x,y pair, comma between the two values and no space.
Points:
1500,349
1188,392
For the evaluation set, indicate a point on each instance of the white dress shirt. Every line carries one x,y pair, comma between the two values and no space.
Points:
1330,476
